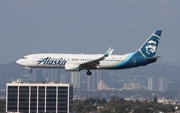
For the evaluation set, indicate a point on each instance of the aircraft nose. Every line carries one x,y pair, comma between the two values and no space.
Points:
19,61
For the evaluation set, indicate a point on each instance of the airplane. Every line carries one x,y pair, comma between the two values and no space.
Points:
76,62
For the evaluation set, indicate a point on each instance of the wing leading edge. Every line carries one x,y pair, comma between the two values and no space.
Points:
94,64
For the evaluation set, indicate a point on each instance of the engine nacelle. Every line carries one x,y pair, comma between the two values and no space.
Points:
72,67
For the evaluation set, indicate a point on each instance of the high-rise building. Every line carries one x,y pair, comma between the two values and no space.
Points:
52,74
83,80
38,75
39,97
152,84
102,85
98,75
162,84
63,78
127,86
89,83
136,86
92,81
132,86
57,75
75,79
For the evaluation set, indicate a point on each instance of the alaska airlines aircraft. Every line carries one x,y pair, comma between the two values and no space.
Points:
77,62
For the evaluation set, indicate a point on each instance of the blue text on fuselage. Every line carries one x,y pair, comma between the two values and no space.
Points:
51,61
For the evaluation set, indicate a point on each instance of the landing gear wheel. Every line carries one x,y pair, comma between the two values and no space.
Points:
31,71
88,73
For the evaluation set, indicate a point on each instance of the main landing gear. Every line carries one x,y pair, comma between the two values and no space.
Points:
88,72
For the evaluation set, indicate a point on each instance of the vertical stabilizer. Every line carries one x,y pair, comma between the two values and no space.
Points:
149,48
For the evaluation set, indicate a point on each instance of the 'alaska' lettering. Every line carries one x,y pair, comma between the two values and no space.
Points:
50,61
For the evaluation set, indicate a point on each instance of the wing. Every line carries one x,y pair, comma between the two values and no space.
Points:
94,64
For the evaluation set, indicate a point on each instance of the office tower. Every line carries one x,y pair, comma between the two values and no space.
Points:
98,75
63,78
39,97
52,74
57,75
102,85
89,83
92,81
38,75
162,84
152,84
75,79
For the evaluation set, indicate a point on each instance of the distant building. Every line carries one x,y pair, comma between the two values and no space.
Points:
167,101
127,86
89,81
63,78
152,84
102,85
38,75
57,75
52,73
75,79
162,84
39,97
136,86
132,86
92,82
98,75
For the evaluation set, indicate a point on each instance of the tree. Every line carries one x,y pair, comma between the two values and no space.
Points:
89,108
103,101
118,105
155,101
78,108
113,101
105,110
2,105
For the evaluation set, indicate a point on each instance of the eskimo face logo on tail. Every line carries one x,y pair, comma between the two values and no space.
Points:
151,47
51,61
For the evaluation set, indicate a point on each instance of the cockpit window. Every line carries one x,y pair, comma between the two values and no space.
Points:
25,57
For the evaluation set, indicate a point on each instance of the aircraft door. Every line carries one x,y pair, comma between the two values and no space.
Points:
36,58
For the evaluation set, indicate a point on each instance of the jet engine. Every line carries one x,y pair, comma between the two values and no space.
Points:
72,67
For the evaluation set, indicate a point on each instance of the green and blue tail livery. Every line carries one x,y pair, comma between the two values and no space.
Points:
149,48
143,56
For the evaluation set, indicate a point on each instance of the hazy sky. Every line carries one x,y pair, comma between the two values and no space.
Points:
88,26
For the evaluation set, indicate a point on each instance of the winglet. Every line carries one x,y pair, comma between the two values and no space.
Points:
110,53
107,53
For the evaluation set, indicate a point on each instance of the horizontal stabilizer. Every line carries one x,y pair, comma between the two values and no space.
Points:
152,58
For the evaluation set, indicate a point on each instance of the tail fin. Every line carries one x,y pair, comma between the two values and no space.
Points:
149,48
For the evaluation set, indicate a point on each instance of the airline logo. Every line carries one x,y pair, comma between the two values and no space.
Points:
51,61
151,47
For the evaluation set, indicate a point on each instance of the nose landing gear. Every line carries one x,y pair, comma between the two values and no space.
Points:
31,71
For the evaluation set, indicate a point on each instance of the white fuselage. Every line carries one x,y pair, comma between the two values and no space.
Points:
59,60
